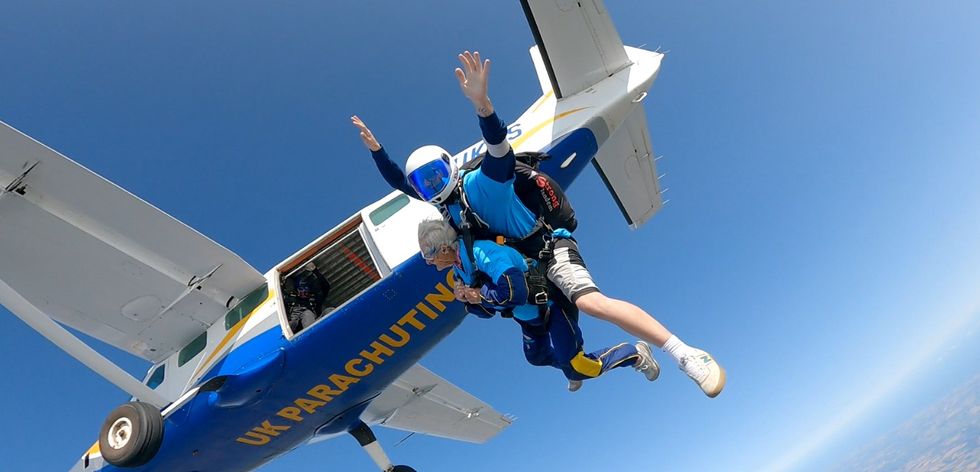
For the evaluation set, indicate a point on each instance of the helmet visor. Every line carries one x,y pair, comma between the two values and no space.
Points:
430,179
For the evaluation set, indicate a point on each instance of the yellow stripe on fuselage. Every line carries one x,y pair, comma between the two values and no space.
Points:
93,450
541,100
517,142
231,333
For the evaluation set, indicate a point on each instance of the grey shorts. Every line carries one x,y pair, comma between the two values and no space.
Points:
567,271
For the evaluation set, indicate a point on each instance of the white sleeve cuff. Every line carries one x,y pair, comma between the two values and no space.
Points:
500,149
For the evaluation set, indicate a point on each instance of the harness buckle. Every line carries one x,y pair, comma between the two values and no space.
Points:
541,298
546,251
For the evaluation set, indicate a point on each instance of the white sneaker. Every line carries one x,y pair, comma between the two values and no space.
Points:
574,385
702,368
646,364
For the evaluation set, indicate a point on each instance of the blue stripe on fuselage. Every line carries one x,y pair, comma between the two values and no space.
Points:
582,143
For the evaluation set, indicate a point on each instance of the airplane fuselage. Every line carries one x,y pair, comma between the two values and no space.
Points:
259,391
318,382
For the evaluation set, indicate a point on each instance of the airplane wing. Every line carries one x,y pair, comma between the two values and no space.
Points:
92,256
422,402
576,43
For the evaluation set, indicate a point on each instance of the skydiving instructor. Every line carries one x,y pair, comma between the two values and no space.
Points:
433,176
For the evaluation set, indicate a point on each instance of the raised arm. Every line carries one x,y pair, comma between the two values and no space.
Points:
473,81
324,283
391,172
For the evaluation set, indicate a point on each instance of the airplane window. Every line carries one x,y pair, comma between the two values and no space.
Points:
157,378
386,211
244,307
192,349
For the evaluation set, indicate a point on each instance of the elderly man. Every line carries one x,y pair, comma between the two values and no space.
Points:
498,280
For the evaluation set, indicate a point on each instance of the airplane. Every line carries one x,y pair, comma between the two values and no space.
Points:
232,385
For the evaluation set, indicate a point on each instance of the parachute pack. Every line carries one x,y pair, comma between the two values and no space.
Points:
540,194
535,189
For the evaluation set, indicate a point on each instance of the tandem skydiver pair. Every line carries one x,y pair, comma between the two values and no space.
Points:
493,220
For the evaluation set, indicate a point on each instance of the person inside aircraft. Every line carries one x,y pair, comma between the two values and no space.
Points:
490,194
497,279
305,301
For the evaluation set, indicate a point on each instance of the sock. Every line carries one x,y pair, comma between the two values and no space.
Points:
676,348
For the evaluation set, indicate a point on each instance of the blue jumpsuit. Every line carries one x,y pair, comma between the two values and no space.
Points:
553,339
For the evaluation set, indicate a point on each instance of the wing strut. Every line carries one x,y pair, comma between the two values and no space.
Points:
60,336
196,282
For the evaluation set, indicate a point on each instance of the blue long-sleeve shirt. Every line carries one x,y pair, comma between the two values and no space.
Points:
489,188
392,173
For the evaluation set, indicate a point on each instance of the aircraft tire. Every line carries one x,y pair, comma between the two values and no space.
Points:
131,435
402,468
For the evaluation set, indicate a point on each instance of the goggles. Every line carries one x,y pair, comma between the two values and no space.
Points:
429,253
430,179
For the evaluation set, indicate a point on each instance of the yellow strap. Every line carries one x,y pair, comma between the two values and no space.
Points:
586,366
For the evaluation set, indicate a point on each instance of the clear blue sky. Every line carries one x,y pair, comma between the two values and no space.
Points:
821,237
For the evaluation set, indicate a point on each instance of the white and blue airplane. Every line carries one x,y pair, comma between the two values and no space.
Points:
228,372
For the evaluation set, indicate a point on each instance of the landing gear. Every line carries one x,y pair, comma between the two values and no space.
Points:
131,435
366,439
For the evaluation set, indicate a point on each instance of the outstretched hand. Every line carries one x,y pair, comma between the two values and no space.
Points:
473,77
367,137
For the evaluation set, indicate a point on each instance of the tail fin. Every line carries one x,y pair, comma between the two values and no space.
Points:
577,44
625,163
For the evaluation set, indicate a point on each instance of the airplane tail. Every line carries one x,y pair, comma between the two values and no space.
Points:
577,43
577,46
625,164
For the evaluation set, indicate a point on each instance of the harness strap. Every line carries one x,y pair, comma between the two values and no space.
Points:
477,222
465,228
537,285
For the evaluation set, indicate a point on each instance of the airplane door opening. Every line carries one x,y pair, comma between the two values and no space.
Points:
327,275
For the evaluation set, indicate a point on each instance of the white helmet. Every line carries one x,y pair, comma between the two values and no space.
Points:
430,170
